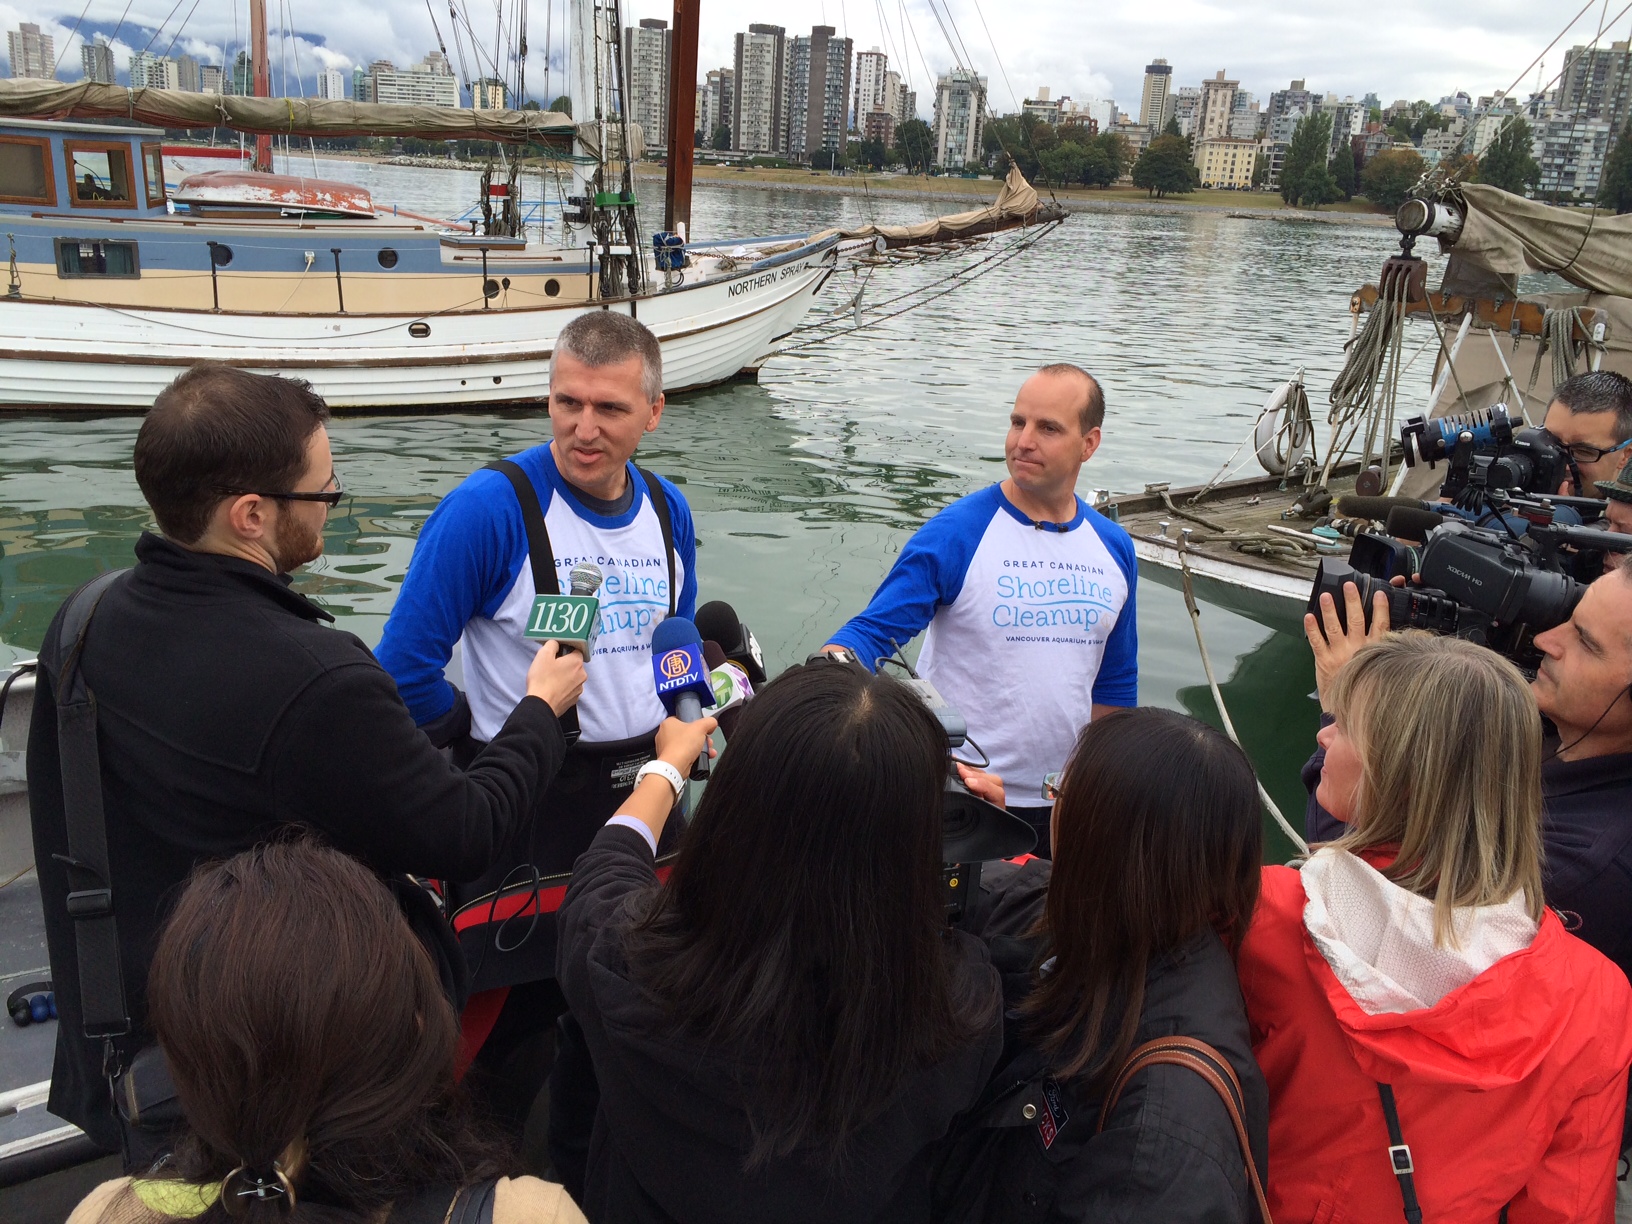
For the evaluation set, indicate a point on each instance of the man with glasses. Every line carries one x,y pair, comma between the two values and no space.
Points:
227,712
1591,415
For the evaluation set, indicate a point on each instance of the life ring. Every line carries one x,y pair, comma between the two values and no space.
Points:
1273,430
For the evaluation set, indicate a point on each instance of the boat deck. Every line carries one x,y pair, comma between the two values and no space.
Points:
1243,555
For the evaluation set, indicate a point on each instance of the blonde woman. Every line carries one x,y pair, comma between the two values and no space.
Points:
1437,1046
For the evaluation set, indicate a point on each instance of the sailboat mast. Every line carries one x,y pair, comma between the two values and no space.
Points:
682,118
261,85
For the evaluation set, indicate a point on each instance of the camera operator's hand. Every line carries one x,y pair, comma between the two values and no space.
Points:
556,676
982,785
1336,645
681,743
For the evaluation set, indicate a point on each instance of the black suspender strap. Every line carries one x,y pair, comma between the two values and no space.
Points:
660,505
1399,1155
539,553
90,899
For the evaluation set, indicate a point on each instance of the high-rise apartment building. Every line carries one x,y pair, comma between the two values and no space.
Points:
759,99
960,118
491,94
1597,84
648,49
1217,104
362,85
818,93
210,78
1186,109
331,85
1295,100
1043,106
1156,102
32,54
96,57
427,83
714,109
243,75
872,67
149,71
187,74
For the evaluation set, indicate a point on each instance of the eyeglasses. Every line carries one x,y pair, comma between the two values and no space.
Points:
329,497
1583,453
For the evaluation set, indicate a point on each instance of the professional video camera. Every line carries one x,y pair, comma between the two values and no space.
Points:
1486,454
973,831
1488,585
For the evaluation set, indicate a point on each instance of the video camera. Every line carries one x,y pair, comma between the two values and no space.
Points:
973,831
1489,586
1487,454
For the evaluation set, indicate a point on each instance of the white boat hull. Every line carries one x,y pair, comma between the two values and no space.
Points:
78,357
1274,600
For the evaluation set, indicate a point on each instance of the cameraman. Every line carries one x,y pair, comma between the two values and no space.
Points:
1584,689
1591,416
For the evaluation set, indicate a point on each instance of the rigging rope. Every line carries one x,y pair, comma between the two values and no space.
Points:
1558,336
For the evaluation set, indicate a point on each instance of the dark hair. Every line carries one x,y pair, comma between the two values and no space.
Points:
295,1006
220,427
1092,412
604,337
1599,391
1144,860
803,927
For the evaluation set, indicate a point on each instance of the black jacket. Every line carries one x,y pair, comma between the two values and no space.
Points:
226,711
1169,1151
672,1134
1586,842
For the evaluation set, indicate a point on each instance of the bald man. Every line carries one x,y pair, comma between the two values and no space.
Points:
1027,594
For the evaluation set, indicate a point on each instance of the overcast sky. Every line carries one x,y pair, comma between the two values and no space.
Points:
1395,48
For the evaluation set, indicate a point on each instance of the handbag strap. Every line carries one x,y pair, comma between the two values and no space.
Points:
1215,1069
1399,1156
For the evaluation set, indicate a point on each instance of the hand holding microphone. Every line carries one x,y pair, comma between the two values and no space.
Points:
682,676
556,676
682,743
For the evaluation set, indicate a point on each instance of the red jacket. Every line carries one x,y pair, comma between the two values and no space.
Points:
1510,1090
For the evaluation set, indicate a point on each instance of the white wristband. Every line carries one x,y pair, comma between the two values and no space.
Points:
664,770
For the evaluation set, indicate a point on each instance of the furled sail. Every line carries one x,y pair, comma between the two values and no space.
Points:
1016,204
1507,236
169,108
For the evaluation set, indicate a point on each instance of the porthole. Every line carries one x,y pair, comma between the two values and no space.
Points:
552,287
387,257
497,379
490,288
419,330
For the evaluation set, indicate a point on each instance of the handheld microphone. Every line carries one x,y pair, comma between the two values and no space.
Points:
732,688
573,620
681,675
719,622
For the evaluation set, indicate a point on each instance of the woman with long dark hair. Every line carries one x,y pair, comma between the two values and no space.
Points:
313,1053
1130,935
784,1028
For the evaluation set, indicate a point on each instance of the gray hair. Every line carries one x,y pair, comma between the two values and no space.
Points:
1599,391
604,337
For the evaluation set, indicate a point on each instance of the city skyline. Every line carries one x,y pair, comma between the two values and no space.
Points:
1337,48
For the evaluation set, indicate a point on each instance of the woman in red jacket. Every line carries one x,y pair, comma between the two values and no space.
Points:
1432,1037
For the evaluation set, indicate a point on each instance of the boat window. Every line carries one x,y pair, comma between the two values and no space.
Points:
99,175
25,171
78,257
153,163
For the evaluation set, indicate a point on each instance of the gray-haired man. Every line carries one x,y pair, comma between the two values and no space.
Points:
473,579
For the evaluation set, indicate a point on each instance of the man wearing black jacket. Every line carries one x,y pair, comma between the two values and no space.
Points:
227,712
1584,688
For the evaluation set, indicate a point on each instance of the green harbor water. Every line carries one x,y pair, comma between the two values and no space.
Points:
805,484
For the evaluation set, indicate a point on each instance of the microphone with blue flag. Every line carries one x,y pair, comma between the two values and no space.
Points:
682,675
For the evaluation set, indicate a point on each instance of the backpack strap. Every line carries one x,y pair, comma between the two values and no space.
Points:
665,523
445,1205
1213,1067
90,898
474,1204
1399,1156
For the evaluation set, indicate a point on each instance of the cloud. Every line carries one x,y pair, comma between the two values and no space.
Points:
1395,48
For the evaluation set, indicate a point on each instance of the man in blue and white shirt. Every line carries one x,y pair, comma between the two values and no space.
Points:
1027,593
471,579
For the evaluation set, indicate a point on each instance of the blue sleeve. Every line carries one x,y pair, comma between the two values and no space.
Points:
685,547
928,573
466,559
1117,683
